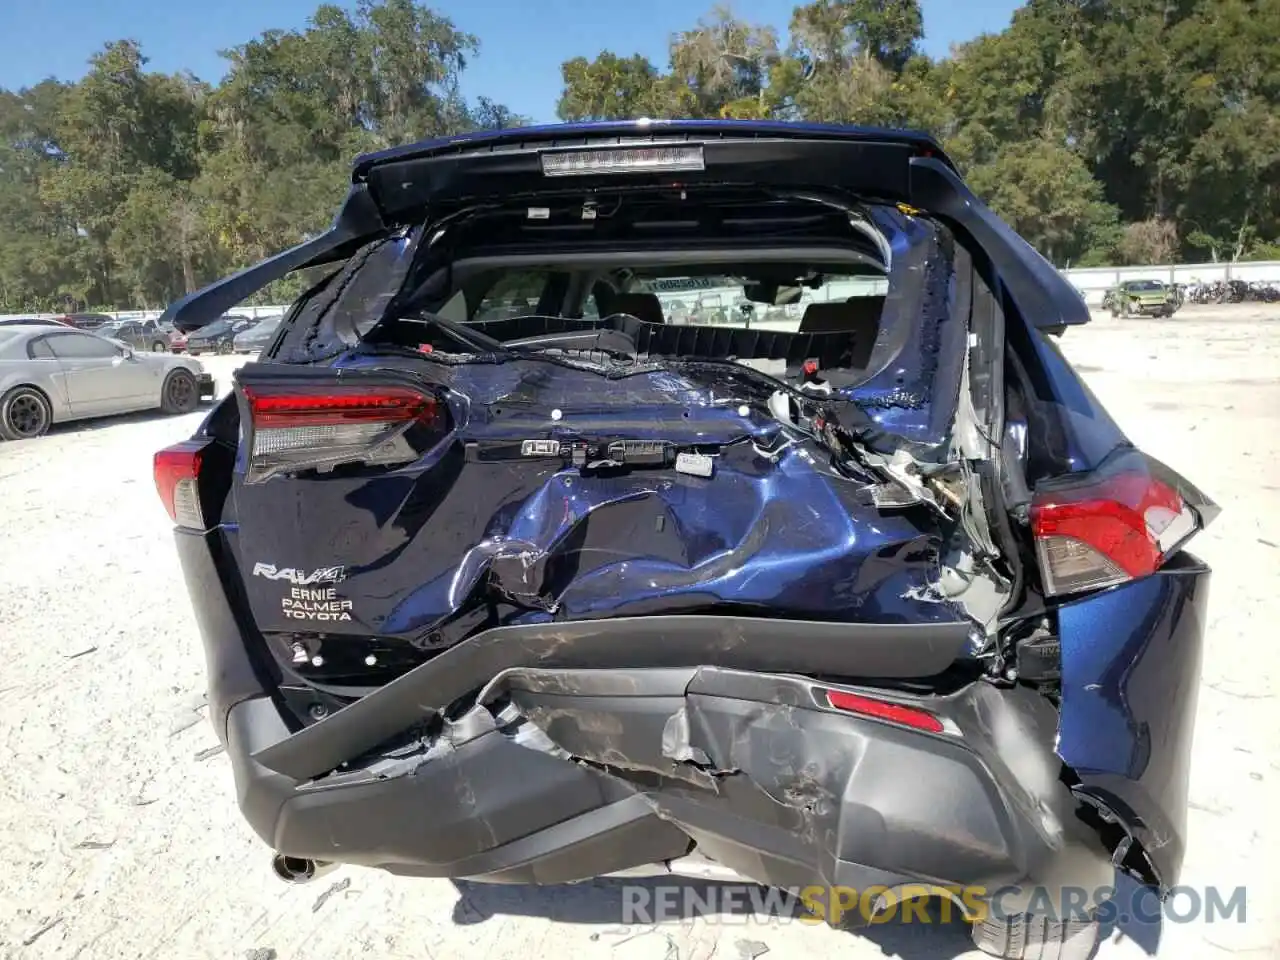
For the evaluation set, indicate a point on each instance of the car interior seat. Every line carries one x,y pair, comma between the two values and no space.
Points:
859,317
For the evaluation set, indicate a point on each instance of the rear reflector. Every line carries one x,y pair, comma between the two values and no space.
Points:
898,713
299,430
581,163
177,473
1117,525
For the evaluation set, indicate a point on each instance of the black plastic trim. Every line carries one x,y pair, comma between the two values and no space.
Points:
231,674
763,779
835,649
1044,297
403,187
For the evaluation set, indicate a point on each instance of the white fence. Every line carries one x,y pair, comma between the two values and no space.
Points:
1093,282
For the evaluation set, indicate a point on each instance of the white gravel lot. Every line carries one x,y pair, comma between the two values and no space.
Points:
118,822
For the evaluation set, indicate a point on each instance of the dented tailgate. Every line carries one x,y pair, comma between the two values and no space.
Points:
504,514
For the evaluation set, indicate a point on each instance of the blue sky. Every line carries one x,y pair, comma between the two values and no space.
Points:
523,42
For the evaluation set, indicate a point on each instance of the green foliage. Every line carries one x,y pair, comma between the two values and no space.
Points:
1045,192
1104,132
131,188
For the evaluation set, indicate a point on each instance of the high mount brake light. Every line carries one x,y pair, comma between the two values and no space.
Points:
1110,528
646,159
316,429
177,474
896,713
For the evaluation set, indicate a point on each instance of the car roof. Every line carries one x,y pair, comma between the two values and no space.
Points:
37,328
21,333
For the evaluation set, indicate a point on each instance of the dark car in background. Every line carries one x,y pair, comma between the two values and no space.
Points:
884,602
256,338
86,321
145,335
219,336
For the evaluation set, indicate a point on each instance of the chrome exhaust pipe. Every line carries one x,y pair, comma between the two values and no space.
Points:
692,866
300,869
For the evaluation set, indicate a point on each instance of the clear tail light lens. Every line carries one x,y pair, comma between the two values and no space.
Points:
177,474
1119,523
315,429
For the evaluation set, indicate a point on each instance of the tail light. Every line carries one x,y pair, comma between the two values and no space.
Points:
1119,523
297,428
177,472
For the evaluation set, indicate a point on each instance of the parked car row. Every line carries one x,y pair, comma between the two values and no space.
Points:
146,335
231,333
55,369
217,337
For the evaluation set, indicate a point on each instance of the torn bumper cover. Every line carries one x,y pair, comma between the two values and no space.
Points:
558,774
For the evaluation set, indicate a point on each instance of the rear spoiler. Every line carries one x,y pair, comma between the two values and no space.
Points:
395,187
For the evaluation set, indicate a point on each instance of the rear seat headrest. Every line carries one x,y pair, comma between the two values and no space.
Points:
642,306
859,317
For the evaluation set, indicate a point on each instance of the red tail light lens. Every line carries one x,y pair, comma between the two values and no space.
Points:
1106,529
299,430
900,714
177,473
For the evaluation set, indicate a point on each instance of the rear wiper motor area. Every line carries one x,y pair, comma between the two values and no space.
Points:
614,343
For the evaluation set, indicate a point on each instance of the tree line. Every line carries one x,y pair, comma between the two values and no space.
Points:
1105,131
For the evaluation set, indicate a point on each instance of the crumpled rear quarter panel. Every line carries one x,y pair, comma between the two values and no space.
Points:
1131,672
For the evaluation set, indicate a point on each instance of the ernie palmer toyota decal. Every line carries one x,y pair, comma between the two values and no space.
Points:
306,600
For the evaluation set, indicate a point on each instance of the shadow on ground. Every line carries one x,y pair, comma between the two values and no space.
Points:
72,427
628,905
624,904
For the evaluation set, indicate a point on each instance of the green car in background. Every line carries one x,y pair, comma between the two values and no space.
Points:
1140,298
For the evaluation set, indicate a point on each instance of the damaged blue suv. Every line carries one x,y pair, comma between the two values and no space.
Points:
510,568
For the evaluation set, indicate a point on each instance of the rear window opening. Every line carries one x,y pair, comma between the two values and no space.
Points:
867,300
790,298
828,312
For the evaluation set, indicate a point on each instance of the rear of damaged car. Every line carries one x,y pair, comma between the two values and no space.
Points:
874,596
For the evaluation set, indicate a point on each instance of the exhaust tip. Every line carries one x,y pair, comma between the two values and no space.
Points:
298,869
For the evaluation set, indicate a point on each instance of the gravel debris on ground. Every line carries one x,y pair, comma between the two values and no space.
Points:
118,815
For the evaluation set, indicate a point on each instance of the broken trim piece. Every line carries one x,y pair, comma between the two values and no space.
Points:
912,650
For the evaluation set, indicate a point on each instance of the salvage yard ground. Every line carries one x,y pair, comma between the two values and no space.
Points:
117,813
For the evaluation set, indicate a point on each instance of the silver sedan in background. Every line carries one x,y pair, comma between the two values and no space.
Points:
50,375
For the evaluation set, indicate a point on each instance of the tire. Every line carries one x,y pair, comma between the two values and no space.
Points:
180,393
25,413
1030,936
159,346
